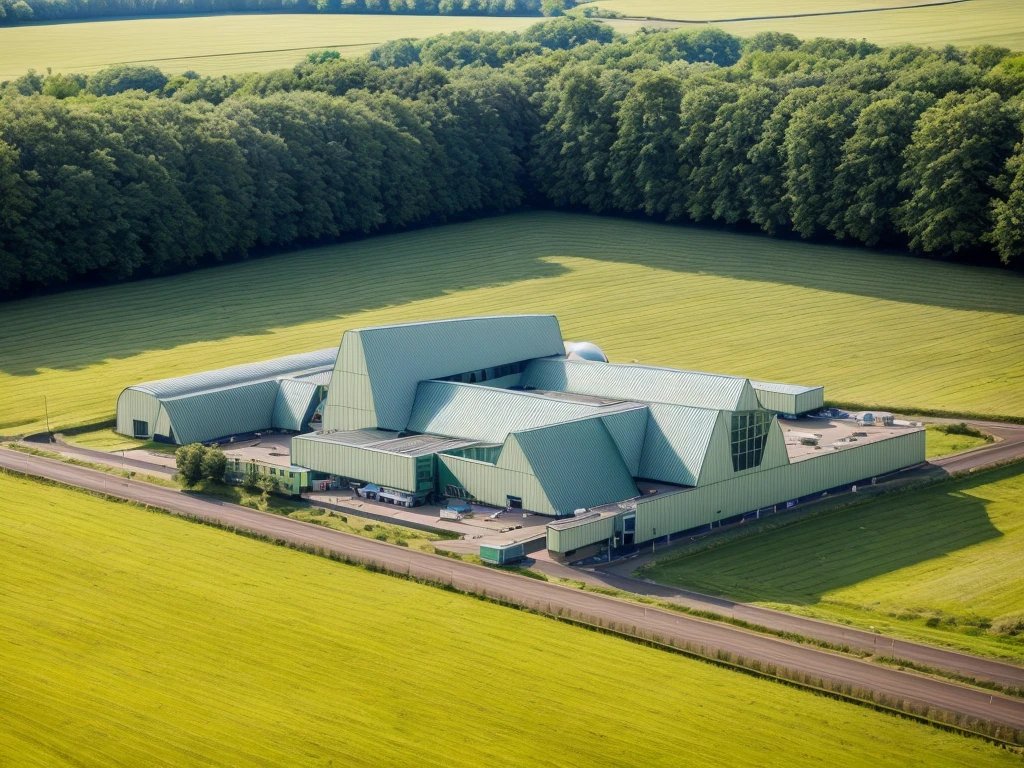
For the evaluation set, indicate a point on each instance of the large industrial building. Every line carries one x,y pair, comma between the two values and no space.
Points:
275,394
501,411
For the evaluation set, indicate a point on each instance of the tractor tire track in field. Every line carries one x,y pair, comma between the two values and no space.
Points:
268,50
810,14
542,596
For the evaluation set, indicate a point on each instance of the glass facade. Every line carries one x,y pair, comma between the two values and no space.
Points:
748,437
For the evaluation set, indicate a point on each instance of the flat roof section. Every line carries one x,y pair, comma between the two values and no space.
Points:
836,434
785,389
390,442
593,515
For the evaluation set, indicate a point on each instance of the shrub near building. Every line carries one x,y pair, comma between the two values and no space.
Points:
196,462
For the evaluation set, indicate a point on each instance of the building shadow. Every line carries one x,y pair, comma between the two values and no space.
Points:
801,563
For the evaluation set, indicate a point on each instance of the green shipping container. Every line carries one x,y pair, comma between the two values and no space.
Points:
502,554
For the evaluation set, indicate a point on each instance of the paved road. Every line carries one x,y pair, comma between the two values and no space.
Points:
837,634
543,596
41,442
1010,446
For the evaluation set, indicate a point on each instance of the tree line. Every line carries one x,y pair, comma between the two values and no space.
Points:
131,172
14,12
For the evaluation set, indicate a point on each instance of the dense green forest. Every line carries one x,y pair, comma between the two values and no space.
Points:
131,172
24,11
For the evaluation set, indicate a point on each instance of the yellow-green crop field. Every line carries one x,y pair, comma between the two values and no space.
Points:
874,328
943,565
974,22
216,44
938,443
134,638
259,42
734,9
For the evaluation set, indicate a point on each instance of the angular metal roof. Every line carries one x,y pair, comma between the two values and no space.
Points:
642,383
296,399
205,416
291,366
676,443
629,429
577,464
490,414
393,359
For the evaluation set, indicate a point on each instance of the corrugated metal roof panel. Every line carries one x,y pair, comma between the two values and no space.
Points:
296,399
322,377
628,430
786,389
676,443
206,381
211,415
577,464
643,383
489,414
398,357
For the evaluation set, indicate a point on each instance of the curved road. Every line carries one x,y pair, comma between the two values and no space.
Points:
543,596
1009,446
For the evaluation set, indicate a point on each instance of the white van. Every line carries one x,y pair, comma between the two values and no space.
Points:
399,498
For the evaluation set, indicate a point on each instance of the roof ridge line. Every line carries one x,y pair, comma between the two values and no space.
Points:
448,320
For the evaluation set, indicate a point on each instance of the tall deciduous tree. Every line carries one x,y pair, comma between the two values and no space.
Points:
697,114
643,164
867,179
959,148
717,182
814,149
764,179
1008,212
571,152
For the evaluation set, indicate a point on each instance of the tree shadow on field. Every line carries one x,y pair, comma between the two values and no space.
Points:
801,563
74,330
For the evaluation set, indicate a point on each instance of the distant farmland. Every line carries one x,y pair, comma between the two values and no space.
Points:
944,565
873,328
974,22
135,638
257,42
216,44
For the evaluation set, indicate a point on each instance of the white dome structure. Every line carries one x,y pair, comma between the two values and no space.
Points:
584,350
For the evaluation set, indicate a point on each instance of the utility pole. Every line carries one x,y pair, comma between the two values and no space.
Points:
46,411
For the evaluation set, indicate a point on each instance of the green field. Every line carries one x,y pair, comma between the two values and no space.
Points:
996,22
938,443
733,9
216,44
874,328
258,42
134,638
952,553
